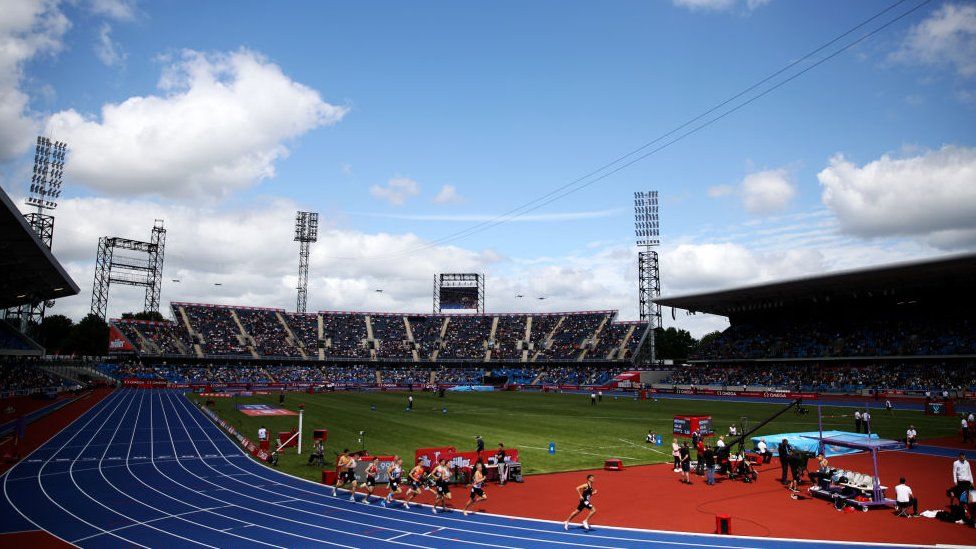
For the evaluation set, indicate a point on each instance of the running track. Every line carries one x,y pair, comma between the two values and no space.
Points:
146,469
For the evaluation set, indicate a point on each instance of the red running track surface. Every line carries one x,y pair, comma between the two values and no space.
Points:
651,497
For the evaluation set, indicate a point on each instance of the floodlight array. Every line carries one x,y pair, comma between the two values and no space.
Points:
646,220
306,227
45,187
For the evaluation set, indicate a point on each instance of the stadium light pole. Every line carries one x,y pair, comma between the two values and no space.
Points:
44,191
306,232
648,236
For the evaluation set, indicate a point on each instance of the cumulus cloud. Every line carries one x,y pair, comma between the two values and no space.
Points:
931,195
767,192
947,37
397,190
718,5
28,28
712,266
761,193
120,10
106,49
718,191
219,125
448,195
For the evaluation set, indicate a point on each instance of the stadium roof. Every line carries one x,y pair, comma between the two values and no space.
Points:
943,273
27,268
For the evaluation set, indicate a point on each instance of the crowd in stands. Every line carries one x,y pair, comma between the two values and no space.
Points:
904,376
354,373
923,336
223,331
217,329
18,376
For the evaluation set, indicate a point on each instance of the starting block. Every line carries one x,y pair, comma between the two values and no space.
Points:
613,465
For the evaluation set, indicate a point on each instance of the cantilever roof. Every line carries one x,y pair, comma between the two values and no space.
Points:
943,272
27,267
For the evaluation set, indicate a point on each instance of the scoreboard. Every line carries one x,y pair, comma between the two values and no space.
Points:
685,425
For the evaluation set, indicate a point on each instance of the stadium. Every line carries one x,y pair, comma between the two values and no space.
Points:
199,393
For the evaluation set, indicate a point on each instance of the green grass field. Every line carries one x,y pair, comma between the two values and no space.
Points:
584,435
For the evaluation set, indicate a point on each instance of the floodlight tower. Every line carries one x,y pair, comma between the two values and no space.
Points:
306,232
45,189
647,233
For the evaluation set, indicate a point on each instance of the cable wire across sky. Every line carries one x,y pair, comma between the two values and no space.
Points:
674,135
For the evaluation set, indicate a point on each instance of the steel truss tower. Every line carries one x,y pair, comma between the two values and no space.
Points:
45,189
306,232
647,233
145,269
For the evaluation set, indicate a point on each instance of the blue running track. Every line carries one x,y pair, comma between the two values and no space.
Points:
147,469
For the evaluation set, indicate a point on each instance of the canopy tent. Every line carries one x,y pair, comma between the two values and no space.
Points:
873,445
802,441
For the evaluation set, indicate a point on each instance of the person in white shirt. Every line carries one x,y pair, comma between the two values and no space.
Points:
676,454
763,450
262,434
971,417
857,421
962,475
733,431
720,443
911,437
889,408
866,417
964,427
905,498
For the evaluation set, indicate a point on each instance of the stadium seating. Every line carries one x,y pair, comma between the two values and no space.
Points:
16,375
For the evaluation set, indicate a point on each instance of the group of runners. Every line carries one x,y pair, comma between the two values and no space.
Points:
437,480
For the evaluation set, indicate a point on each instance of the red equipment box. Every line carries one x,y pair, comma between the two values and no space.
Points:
613,465
283,436
684,426
320,434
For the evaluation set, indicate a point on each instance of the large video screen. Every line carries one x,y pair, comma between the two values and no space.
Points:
459,298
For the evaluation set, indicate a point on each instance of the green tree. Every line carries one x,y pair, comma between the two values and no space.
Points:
144,315
54,333
673,343
708,338
89,337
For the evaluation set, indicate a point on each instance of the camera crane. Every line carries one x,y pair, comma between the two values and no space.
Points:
723,453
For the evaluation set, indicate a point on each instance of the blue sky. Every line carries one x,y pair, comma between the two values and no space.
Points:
501,102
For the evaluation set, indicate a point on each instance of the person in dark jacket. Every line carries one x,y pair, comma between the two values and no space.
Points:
784,459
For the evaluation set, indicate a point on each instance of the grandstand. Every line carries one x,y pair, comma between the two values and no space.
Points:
250,333
906,326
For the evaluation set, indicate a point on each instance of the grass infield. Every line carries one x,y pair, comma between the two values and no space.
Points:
585,435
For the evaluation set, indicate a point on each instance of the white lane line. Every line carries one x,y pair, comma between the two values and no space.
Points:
173,444
135,522
179,516
94,411
40,471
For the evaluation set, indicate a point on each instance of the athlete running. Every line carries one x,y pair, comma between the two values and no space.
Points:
395,472
585,491
441,475
477,487
415,484
371,471
347,474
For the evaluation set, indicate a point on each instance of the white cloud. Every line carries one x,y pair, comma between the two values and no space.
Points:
762,193
947,37
719,5
106,49
120,10
705,4
397,190
28,28
932,195
719,191
221,124
711,266
543,217
448,195
767,192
